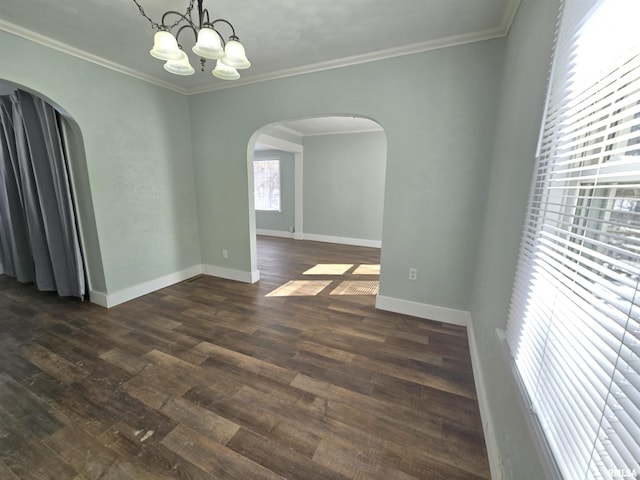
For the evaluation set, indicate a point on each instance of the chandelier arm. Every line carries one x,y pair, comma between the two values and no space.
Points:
189,26
218,20
204,14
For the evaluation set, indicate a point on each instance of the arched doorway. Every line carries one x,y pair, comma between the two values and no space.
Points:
339,170
80,197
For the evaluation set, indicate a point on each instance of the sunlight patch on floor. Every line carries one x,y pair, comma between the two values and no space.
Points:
367,270
356,287
300,288
329,269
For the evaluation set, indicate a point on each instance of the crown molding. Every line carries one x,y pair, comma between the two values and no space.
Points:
446,42
275,143
344,132
45,41
452,41
301,135
510,12
499,32
288,130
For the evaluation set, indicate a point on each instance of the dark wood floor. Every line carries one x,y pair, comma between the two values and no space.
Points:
210,379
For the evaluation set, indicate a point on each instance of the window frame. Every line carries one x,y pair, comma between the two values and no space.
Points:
278,161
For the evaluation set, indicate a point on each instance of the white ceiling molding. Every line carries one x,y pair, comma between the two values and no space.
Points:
509,15
344,132
288,130
369,57
328,125
76,52
268,142
325,129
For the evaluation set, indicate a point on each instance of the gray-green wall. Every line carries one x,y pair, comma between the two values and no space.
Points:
283,220
527,58
438,117
138,183
344,185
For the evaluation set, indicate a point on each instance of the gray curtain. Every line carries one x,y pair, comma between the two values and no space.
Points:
38,231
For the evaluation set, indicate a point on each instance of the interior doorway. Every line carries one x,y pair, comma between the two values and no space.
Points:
45,244
338,180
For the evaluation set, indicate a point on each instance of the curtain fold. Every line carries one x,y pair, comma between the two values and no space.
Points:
38,232
15,250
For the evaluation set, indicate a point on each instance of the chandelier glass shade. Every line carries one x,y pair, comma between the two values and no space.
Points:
225,72
230,56
180,66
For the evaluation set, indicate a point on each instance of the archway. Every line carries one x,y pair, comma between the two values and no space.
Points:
73,145
339,171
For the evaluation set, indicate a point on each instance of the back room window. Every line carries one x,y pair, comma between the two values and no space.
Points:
266,185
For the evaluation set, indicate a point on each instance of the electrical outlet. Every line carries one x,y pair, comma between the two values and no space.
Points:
225,254
413,273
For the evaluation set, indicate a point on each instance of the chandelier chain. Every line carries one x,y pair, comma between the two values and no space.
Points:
157,26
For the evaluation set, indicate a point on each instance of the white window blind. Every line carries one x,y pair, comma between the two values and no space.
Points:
574,323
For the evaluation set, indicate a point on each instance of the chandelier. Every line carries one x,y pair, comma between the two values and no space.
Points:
230,55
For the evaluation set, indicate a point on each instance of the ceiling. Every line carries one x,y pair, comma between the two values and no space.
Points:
281,37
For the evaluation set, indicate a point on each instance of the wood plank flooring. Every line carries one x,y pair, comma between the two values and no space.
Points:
212,379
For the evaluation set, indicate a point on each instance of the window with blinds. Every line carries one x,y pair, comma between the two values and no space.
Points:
574,323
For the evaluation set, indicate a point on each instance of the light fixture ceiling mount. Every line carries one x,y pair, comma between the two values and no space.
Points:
210,44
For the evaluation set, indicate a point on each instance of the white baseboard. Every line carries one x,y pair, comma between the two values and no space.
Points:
109,300
230,274
423,310
274,233
99,298
483,403
358,242
112,299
